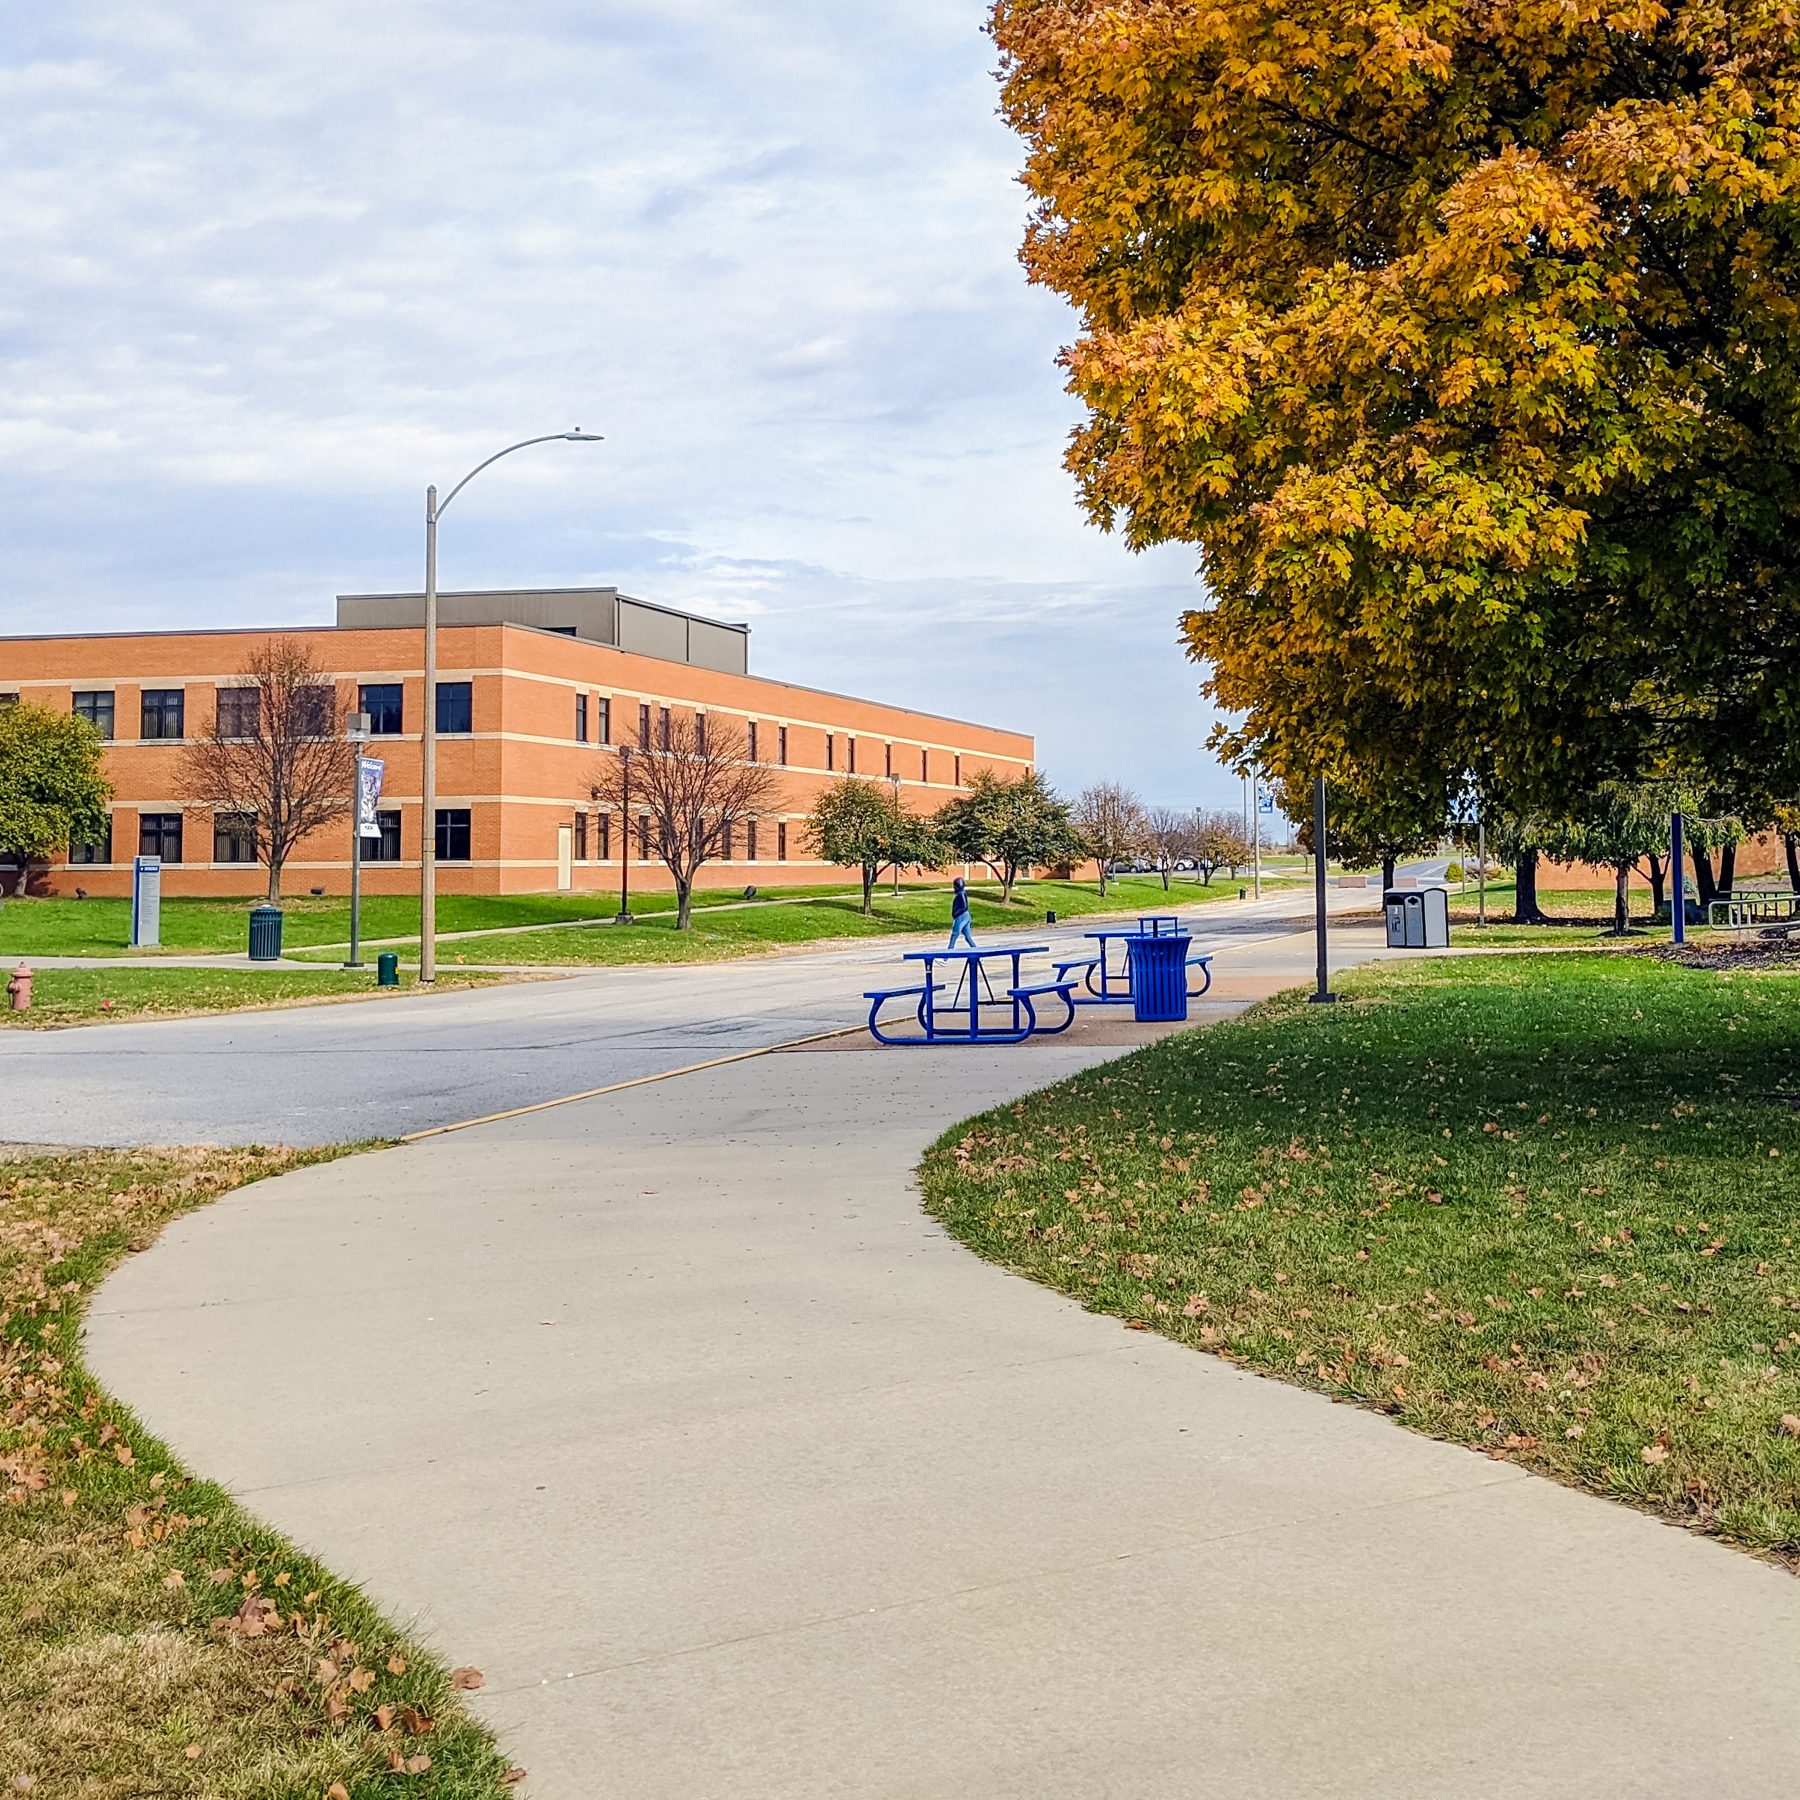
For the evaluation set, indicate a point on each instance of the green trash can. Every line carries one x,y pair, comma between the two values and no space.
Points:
387,969
265,934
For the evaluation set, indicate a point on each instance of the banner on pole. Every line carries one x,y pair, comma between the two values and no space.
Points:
369,771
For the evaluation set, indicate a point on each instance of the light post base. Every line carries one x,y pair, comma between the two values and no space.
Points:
1322,1000
358,964
624,918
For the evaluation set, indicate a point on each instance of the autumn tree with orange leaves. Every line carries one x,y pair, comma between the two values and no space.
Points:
1463,342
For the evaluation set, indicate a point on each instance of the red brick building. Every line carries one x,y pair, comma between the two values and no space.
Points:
533,688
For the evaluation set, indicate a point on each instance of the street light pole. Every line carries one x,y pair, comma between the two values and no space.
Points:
358,734
434,510
1256,815
895,779
624,917
1324,996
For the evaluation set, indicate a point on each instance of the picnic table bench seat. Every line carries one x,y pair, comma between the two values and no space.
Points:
1029,996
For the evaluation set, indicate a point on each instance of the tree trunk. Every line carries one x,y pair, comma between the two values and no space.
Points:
1658,877
1206,874
1165,874
1008,874
1791,843
1526,910
1388,859
1621,899
1727,870
1703,879
684,904
870,874
274,895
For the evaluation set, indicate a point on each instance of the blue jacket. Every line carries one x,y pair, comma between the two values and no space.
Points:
959,900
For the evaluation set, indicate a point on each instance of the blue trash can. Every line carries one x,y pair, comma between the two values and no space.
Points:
1158,967
265,934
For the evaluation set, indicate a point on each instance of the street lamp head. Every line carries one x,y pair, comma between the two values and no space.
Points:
578,436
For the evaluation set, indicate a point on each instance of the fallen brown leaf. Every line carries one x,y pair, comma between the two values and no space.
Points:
467,1678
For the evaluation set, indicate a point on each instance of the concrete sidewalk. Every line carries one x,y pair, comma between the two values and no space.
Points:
671,1412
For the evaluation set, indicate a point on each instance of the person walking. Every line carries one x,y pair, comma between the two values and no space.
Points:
959,916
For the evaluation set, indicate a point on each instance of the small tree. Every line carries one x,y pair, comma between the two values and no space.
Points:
275,754
1010,825
697,787
1219,841
1112,823
861,825
1620,823
1170,834
53,786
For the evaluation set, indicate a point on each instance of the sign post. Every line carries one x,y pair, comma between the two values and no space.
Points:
146,902
1677,885
1324,996
369,771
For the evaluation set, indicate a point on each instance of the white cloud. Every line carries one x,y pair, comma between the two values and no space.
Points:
272,269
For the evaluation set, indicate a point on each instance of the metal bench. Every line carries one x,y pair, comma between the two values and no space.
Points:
1028,997
879,997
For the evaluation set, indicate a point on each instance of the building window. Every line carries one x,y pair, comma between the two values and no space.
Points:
643,837
604,822
581,718
605,732
662,729
100,849
644,726
240,712
851,745
10,698
781,841
750,741
699,732
96,706
455,708
385,848
159,834
581,854
750,841
781,746
959,771
888,764
164,716
831,750
924,764
728,841
382,703
453,834
234,837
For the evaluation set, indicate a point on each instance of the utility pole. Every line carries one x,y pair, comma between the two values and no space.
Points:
1256,828
1324,996
358,734
1481,871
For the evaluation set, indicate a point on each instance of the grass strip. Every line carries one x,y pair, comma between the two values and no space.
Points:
157,1640
1541,1206
98,996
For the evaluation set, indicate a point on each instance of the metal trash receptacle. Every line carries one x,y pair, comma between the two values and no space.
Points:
265,934
1417,918
1158,968
387,969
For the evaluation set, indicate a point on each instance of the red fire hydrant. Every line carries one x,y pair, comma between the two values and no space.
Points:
19,989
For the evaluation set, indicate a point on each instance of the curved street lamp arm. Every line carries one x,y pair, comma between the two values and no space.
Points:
550,437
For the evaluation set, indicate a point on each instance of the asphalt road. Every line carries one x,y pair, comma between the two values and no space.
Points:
335,1074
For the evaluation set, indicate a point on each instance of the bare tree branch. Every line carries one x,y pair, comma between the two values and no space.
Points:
275,753
697,787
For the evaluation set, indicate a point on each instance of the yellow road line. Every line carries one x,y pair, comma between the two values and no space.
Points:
618,1087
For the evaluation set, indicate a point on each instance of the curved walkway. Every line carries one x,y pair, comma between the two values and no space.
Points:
671,1412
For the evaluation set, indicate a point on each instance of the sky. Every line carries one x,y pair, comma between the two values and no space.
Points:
272,269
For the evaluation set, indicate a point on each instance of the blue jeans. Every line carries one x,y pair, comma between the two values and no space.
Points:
960,932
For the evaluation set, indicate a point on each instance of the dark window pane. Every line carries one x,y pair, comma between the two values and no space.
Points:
163,716
643,837
385,848
750,841
240,710
604,821
663,729
315,711
455,706
581,829
159,834
643,727
605,736
830,751
750,740
382,703
234,838
96,706
581,718
781,841
453,834
781,746
100,851
851,742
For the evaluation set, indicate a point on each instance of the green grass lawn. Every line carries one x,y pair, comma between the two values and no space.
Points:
754,930
1542,1206
155,1638
96,996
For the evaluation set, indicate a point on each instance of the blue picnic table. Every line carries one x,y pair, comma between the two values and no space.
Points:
1107,978
960,1020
